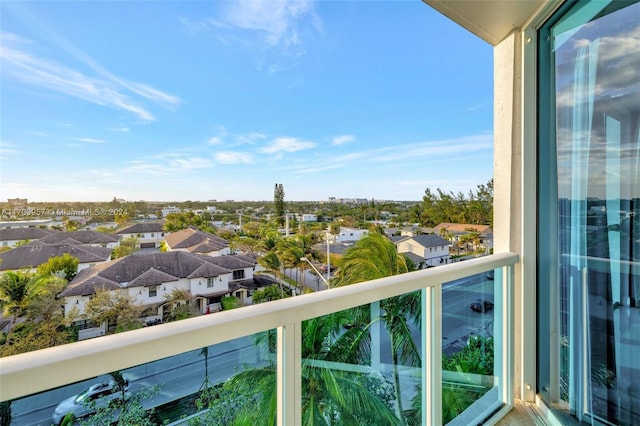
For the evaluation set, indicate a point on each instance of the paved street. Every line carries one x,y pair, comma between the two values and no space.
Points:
175,377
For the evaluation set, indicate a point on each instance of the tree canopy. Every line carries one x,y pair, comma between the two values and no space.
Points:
439,206
66,265
278,203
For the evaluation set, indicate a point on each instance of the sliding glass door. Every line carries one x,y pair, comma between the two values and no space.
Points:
589,193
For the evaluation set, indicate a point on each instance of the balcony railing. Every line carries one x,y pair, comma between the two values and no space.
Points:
39,371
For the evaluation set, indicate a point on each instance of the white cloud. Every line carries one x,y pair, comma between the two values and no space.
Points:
342,139
276,29
104,89
249,138
216,140
230,157
287,144
168,164
191,163
90,140
119,129
275,21
7,150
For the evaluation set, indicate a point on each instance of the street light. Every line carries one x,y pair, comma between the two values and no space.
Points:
304,259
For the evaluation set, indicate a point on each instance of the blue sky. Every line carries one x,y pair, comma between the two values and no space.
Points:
200,100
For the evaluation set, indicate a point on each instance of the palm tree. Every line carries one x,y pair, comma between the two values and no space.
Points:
271,262
373,257
17,289
329,396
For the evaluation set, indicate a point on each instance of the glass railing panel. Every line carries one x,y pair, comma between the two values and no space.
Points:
362,365
470,307
194,387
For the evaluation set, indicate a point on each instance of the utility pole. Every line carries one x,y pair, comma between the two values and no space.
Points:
286,224
328,259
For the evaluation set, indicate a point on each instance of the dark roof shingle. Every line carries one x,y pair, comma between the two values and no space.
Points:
80,237
31,256
195,241
147,269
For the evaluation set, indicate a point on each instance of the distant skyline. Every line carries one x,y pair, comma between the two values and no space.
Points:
203,100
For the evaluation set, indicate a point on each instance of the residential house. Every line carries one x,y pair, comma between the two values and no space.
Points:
306,217
9,237
38,223
170,209
412,231
32,255
149,234
566,318
425,250
350,235
456,231
193,240
150,278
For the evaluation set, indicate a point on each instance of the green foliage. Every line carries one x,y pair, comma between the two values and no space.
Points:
278,203
66,265
126,247
32,336
33,297
438,207
476,357
330,397
373,256
22,242
126,410
181,305
117,309
268,294
105,229
230,302
68,420
15,289
178,221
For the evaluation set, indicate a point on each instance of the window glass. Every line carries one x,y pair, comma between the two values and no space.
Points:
594,262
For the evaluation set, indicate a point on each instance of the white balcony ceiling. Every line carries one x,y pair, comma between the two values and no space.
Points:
492,21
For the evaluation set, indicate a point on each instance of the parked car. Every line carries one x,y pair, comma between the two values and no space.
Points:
86,402
481,305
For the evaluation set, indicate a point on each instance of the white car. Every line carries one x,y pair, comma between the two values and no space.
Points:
86,402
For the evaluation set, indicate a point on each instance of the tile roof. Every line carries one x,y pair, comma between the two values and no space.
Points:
414,257
462,228
150,277
80,237
154,268
195,241
31,256
430,240
19,234
141,228
208,270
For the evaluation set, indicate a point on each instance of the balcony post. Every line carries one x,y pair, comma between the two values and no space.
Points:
504,332
289,374
431,326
